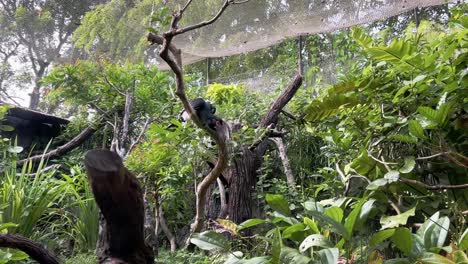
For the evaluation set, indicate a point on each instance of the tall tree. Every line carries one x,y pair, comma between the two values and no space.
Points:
41,31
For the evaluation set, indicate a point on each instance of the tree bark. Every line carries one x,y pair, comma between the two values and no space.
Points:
285,160
36,92
33,249
120,199
242,173
166,230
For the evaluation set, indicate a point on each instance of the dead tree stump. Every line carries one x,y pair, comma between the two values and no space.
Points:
120,199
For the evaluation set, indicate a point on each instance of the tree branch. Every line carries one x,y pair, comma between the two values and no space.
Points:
69,146
33,249
222,131
204,23
433,187
271,116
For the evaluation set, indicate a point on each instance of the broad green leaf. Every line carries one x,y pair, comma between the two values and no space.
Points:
315,240
329,255
278,203
276,247
428,223
291,255
435,234
365,210
335,213
337,227
418,246
251,223
210,240
351,219
6,128
17,255
433,258
392,176
463,242
311,205
376,184
396,220
403,240
408,166
380,236
416,129
363,164
5,256
290,230
311,225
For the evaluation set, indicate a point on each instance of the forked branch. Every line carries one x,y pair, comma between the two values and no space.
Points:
221,133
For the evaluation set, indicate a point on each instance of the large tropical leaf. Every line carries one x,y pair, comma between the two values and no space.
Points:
278,203
397,53
329,106
291,255
210,240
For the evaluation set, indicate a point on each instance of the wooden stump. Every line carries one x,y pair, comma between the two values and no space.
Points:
120,199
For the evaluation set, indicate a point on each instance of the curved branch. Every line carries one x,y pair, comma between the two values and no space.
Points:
204,23
222,131
69,146
33,249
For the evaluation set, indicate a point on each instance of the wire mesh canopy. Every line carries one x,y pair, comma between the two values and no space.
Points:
257,24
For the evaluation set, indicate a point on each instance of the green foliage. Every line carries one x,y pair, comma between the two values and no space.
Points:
83,211
8,254
117,29
103,86
30,197
186,257
398,114
82,259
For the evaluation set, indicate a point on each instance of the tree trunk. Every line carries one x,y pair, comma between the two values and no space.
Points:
35,95
242,174
120,199
166,230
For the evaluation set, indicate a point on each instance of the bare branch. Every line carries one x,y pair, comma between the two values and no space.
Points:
204,23
434,187
67,147
272,114
186,6
113,86
140,136
433,156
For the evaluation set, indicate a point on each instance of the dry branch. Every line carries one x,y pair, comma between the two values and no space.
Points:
69,146
33,249
275,109
434,187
